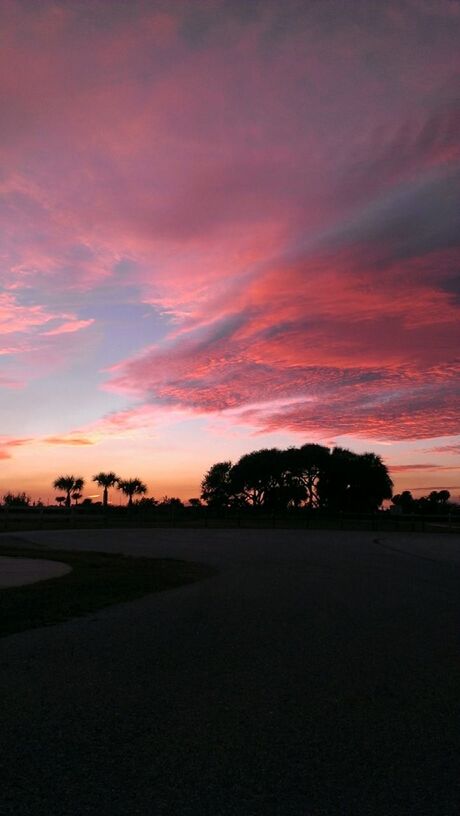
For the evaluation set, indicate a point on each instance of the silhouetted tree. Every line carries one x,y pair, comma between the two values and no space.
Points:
443,496
405,501
106,480
172,503
354,482
132,487
307,464
310,475
216,487
16,500
147,504
436,502
437,498
258,478
70,484
60,500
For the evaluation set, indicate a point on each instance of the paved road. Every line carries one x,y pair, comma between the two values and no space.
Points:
317,674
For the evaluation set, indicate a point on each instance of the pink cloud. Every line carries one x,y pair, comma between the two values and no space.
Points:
421,466
427,488
11,382
450,449
316,331
6,443
15,318
295,215
33,335
128,423
187,155
69,327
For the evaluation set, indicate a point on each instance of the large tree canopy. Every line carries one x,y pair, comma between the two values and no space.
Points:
216,490
354,482
312,476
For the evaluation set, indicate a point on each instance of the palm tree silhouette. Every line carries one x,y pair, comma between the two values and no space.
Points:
132,487
106,480
70,484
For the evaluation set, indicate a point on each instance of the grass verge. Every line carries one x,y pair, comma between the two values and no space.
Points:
96,580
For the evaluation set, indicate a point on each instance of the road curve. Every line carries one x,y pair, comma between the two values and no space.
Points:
316,674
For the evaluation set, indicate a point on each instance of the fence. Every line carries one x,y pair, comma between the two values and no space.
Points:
55,518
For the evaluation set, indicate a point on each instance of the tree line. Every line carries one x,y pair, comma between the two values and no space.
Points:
72,487
436,502
312,476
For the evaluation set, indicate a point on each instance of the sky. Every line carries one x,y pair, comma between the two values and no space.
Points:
228,225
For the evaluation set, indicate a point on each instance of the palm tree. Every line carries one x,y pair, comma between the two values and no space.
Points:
70,484
132,487
106,480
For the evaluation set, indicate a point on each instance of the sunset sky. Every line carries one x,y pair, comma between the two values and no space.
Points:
226,225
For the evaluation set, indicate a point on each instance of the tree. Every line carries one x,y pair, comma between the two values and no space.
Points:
440,497
374,484
148,504
279,479
258,478
306,465
172,502
132,487
216,488
354,482
70,484
60,500
405,501
106,480
311,475
443,496
16,500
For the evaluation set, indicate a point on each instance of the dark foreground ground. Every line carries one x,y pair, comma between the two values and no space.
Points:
318,673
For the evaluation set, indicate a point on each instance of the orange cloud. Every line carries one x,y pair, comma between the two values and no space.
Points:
68,440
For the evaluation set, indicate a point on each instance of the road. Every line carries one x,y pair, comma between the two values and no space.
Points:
317,674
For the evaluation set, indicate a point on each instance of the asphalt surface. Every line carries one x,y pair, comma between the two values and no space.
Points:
317,673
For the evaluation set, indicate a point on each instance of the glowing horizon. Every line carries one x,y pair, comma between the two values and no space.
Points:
227,226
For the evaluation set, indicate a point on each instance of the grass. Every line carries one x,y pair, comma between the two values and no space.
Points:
55,519
96,580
